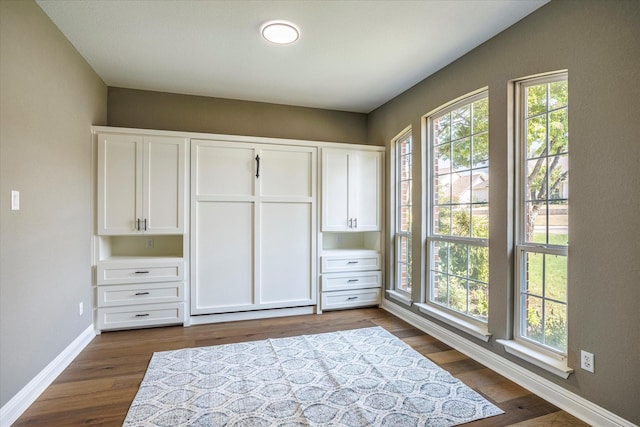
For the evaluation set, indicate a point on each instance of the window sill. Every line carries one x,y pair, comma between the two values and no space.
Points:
400,297
470,328
554,365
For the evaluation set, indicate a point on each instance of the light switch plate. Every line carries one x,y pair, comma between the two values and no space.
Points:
15,200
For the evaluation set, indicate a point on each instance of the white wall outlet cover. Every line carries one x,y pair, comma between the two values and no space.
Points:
15,200
587,361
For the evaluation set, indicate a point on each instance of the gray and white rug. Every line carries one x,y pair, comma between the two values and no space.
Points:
361,377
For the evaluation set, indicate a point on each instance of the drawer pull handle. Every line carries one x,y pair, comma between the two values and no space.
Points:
353,280
352,262
142,293
142,272
351,298
142,315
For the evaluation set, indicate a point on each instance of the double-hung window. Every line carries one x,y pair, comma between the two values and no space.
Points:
542,206
458,230
402,211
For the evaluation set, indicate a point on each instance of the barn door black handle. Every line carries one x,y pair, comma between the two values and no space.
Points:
257,166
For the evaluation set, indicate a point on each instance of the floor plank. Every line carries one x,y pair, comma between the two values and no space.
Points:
99,386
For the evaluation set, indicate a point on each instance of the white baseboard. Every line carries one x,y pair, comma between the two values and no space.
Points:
15,407
203,319
570,402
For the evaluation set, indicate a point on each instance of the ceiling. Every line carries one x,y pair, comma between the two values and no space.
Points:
351,56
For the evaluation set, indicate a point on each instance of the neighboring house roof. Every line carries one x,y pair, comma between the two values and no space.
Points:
462,187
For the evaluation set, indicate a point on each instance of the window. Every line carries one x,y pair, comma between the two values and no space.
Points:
543,203
402,213
459,208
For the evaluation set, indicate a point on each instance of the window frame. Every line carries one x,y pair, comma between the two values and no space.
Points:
396,291
464,321
521,246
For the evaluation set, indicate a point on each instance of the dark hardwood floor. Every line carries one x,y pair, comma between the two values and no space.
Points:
100,384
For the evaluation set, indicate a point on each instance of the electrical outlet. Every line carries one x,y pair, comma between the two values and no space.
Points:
15,200
587,361
149,244
80,308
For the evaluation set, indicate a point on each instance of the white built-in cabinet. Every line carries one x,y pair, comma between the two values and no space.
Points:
199,228
253,226
140,241
351,237
351,190
141,184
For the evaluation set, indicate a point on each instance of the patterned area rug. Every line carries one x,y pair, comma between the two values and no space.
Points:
361,377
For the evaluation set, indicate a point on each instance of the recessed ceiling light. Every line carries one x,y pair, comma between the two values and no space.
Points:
280,32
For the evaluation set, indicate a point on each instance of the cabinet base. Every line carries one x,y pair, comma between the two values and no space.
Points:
204,319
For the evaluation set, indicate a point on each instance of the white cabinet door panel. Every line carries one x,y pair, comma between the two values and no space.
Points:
285,172
366,182
285,253
163,185
335,190
224,171
120,185
223,257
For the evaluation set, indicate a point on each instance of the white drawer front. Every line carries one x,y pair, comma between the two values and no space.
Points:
118,295
140,316
346,281
349,299
116,273
350,263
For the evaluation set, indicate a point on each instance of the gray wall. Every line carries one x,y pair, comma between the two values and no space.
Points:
599,43
167,111
50,98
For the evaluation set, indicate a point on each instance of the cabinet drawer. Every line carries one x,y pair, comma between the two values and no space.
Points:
346,281
140,316
348,299
120,272
338,263
118,295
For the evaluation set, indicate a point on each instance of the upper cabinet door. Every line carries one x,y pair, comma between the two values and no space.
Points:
351,190
366,183
335,190
163,185
119,183
141,184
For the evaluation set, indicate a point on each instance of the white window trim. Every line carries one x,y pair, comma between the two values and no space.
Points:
521,246
400,296
461,321
544,360
535,353
394,292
